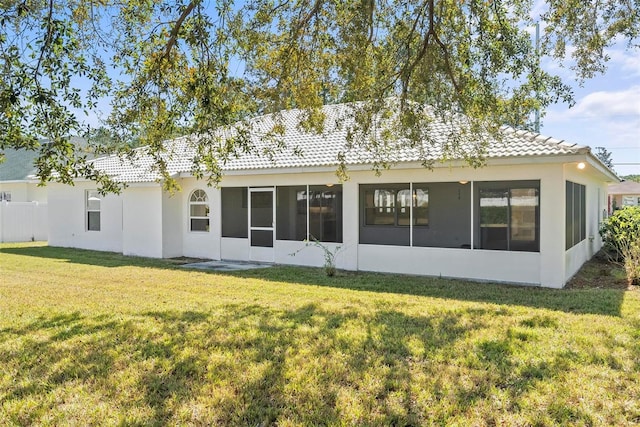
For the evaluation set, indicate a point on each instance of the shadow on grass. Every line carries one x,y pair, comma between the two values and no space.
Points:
251,365
86,257
255,365
593,301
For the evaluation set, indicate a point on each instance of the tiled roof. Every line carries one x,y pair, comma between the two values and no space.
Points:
19,165
309,149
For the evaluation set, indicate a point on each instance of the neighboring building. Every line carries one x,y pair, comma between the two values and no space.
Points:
17,182
23,204
626,193
529,216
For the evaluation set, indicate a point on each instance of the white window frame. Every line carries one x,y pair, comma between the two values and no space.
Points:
204,202
88,195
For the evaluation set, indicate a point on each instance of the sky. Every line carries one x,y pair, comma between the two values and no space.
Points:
606,113
607,109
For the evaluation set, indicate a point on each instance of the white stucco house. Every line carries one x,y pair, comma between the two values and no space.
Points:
530,216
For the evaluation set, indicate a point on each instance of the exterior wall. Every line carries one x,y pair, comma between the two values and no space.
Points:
477,264
596,207
301,253
618,200
18,191
25,191
142,221
67,219
145,221
171,220
199,244
545,268
552,226
36,194
23,221
234,249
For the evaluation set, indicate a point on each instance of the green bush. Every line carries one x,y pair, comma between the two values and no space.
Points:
621,235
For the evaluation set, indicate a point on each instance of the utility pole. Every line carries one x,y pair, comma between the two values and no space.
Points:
537,122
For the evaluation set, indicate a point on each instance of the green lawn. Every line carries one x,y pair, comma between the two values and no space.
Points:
89,338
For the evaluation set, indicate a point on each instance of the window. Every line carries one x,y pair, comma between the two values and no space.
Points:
92,206
305,212
390,212
575,215
291,213
325,213
393,206
199,211
235,214
5,196
509,216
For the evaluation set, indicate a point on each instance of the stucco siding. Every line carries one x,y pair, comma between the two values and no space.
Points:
500,266
596,206
199,244
146,221
25,191
172,225
142,221
67,219
234,249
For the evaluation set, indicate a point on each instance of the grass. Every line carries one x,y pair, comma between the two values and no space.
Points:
89,338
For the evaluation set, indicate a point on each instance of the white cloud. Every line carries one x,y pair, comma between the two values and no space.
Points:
627,60
538,8
609,104
609,119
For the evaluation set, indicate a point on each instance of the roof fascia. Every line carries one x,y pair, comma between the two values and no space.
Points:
497,161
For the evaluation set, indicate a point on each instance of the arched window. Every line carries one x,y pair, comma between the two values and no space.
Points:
199,211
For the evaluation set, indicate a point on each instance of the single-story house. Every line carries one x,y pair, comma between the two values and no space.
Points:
530,216
621,194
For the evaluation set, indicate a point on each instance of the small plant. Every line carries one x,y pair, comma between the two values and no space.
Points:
329,255
621,235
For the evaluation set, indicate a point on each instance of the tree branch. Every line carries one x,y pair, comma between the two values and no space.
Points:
445,53
314,11
173,37
47,40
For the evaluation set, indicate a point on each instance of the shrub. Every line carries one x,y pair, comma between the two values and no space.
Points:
329,255
621,235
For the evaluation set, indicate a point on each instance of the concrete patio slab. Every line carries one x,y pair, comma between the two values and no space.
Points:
226,265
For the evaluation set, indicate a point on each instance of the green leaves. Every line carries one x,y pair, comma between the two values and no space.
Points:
621,235
188,67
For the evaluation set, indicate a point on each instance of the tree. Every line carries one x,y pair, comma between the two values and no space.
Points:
189,66
635,178
605,157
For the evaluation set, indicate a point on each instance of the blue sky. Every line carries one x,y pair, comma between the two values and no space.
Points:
607,109
606,113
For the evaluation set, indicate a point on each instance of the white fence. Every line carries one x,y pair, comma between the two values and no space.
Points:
23,221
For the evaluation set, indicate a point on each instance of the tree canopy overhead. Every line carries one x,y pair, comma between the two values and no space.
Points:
176,67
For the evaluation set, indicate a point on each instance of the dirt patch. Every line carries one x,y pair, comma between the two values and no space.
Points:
600,273
185,260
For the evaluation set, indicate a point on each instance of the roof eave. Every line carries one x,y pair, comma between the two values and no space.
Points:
492,161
